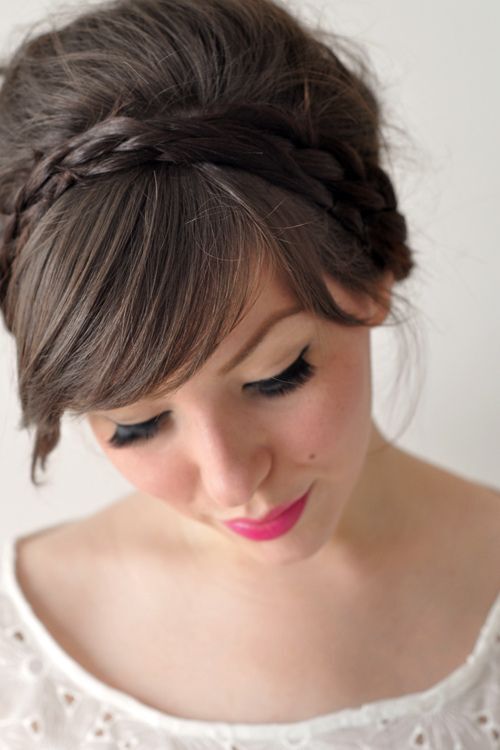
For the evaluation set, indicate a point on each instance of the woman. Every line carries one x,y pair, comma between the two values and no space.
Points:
198,238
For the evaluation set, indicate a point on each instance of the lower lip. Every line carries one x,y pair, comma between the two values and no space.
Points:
272,529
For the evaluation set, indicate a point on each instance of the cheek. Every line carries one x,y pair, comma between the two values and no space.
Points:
331,428
160,474
328,427
152,470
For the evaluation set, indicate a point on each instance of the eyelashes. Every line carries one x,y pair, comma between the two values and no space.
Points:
132,433
296,375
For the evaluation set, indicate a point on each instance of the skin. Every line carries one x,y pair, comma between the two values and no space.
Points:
228,453
379,590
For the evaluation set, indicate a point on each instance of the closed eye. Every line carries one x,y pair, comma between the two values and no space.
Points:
296,375
125,434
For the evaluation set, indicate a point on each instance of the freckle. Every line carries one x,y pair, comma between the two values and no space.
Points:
313,455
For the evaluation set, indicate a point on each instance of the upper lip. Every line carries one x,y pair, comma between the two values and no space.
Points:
276,511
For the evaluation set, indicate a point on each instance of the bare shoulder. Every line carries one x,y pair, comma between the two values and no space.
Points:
465,499
65,571
479,508
460,516
66,555
52,541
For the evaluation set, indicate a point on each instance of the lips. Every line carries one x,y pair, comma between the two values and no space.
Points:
283,521
274,513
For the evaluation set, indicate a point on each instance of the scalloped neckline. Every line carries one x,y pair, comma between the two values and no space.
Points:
380,710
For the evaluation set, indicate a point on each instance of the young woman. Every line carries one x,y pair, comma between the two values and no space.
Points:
198,237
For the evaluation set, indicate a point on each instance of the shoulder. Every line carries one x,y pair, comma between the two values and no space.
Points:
57,564
459,520
54,562
445,492
467,505
86,537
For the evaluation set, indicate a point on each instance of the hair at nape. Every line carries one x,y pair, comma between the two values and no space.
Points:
157,157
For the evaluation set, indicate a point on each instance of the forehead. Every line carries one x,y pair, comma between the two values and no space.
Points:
272,294
270,301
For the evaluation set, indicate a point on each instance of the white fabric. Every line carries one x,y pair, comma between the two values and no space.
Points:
48,701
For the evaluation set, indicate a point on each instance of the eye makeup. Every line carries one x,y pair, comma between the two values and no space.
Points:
293,377
132,433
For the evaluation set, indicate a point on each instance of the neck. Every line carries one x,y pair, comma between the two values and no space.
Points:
371,521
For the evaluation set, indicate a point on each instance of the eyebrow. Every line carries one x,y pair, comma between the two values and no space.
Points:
257,337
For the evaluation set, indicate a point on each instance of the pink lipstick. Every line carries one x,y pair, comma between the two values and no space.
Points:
275,524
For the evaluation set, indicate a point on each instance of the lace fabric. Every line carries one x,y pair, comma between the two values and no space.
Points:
47,700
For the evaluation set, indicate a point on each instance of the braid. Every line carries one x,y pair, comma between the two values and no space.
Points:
260,139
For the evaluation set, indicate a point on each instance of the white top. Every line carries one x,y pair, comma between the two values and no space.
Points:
49,702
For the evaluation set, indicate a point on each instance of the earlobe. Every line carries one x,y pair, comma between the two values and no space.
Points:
364,306
380,314
382,310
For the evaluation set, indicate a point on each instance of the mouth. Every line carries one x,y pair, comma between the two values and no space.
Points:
284,518
270,516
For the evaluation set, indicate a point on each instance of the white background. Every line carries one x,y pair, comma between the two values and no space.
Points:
439,65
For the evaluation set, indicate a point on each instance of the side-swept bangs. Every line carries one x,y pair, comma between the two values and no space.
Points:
133,281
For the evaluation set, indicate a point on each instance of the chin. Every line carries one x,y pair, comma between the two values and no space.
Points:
300,545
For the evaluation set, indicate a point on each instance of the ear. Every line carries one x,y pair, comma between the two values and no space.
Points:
363,305
380,312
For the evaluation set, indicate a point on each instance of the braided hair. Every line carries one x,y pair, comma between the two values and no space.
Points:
263,123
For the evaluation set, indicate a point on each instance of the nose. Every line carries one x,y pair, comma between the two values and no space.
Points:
232,456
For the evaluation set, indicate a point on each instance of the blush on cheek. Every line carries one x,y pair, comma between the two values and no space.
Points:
154,473
333,427
143,472
137,469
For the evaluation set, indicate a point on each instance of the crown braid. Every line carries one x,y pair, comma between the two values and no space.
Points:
253,138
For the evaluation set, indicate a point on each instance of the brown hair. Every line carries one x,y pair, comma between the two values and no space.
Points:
156,158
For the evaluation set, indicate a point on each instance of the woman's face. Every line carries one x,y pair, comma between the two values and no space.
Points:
232,445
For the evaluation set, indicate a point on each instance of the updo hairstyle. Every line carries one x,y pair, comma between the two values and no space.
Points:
157,158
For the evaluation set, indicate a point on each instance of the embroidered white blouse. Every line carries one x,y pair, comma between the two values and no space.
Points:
48,701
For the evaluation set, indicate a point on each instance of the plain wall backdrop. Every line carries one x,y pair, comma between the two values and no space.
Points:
439,67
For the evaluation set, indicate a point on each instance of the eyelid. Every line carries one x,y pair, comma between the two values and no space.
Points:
147,423
250,385
256,383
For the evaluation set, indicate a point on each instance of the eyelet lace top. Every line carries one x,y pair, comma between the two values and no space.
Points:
48,701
